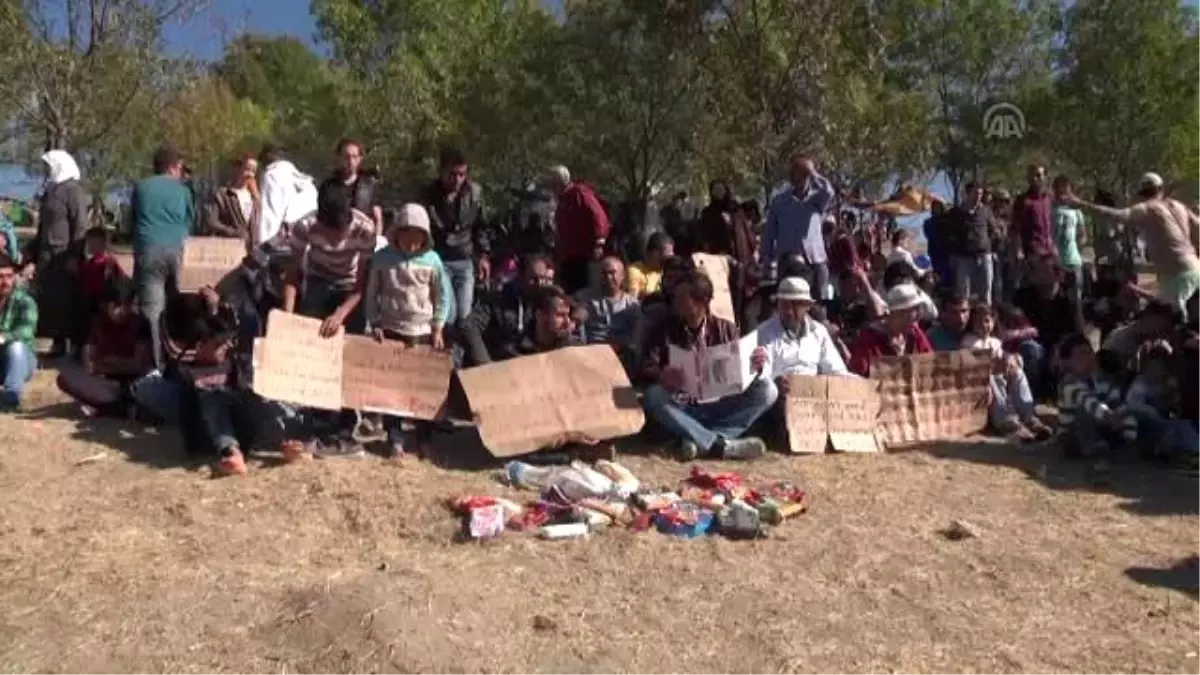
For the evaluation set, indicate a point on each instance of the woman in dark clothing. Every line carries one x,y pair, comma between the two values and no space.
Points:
715,230
57,249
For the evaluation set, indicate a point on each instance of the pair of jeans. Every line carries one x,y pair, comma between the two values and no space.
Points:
704,423
156,277
1011,396
973,276
19,363
462,281
158,395
1033,356
1160,436
224,411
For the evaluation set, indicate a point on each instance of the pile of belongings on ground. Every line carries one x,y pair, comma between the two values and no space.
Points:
578,499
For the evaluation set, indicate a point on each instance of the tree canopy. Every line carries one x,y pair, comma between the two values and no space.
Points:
636,96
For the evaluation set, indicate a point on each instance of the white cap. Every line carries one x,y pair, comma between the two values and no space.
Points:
794,289
903,296
1151,179
413,215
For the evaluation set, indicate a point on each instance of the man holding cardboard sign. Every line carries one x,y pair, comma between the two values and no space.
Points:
704,428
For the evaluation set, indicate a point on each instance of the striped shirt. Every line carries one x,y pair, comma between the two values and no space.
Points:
334,262
1091,396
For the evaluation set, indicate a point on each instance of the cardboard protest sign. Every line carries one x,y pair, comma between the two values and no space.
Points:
806,413
539,401
715,372
207,261
926,397
838,409
297,365
716,268
853,411
388,377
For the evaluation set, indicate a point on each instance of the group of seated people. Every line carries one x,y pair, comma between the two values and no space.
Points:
327,267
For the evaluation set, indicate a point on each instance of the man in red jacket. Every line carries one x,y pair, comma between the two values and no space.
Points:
583,228
897,334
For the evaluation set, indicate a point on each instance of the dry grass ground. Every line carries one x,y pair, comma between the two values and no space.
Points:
135,563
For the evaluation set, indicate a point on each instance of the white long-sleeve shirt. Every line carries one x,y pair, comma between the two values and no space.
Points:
813,353
287,196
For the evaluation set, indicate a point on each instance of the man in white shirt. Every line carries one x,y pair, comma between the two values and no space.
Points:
287,195
791,342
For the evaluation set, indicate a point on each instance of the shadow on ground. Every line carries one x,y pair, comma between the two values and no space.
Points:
1150,489
156,447
1183,576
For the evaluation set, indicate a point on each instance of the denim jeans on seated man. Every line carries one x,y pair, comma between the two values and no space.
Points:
710,425
1011,397
19,363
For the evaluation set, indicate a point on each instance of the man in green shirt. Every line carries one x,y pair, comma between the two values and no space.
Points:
18,331
163,212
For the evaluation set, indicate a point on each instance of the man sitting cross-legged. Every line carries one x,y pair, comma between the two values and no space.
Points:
710,429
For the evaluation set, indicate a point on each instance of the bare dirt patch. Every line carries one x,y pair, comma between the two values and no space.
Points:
134,562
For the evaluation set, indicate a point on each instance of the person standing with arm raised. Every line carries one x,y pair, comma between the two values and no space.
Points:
794,222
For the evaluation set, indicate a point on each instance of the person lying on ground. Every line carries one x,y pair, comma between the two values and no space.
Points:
408,301
116,353
792,342
711,429
1012,409
493,330
896,334
18,331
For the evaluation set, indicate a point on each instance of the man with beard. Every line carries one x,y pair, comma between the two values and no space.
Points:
363,188
791,342
458,223
495,328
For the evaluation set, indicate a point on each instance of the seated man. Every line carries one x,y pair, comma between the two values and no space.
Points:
18,330
607,314
947,332
550,327
494,328
792,342
1154,323
710,429
896,334
116,352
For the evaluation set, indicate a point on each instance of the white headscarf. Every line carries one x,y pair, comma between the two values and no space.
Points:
62,166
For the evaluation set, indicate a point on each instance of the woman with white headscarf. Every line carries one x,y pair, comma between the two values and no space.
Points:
62,222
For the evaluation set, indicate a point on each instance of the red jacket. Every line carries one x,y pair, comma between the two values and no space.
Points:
873,343
581,221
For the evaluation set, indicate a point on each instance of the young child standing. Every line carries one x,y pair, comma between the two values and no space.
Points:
1012,406
408,295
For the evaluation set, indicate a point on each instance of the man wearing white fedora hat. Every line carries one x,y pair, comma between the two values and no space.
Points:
896,334
791,342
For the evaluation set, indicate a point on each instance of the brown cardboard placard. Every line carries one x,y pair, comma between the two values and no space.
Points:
297,365
533,402
207,261
716,268
389,378
928,397
853,413
806,414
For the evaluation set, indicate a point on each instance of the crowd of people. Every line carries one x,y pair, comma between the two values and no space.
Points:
1002,275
